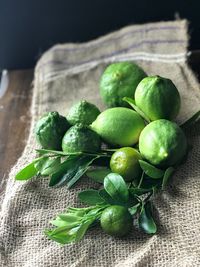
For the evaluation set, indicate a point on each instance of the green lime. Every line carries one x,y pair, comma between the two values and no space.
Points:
82,112
80,139
158,98
120,80
119,126
50,129
125,161
163,143
116,221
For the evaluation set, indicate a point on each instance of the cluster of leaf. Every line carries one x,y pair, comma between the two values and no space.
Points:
72,225
63,168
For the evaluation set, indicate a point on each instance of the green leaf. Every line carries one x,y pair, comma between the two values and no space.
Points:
56,152
83,228
131,102
191,121
133,210
146,221
67,166
91,197
107,198
60,223
167,175
139,191
82,168
28,171
48,165
151,170
149,183
72,225
63,235
99,174
116,187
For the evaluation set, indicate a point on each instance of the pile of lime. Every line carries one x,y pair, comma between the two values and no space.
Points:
132,148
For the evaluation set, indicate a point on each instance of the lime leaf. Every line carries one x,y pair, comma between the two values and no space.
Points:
83,166
167,175
107,198
151,170
83,228
131,102
28,171
99,174
139,191
67,168
134,209
116,187
146,221
91,197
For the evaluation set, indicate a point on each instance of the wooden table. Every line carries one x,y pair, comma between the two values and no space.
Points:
15,114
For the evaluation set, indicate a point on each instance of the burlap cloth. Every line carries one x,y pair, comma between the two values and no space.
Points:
65,74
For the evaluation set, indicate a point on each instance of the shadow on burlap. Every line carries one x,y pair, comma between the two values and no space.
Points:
65,74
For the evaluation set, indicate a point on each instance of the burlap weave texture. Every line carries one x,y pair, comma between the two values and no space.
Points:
63,75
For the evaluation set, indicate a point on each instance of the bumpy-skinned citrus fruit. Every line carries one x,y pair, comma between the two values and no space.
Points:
116,221
125,161
158,98
50,129
120,80
82,112
80,139
119,126
163,143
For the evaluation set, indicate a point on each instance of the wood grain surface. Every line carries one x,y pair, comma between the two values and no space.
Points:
15,114
14,118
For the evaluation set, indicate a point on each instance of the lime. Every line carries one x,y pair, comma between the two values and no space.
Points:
120,80
163,142
80,139
125,161
119,126
82,112
158,98
116,221
50,129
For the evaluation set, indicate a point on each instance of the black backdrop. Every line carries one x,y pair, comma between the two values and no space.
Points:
27,28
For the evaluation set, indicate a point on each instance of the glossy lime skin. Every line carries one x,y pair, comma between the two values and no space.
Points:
50,129
119,126
80,139
119,80
82,112
125,161
116,221
163,143
158,98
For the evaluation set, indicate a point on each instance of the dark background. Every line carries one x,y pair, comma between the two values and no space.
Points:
27,28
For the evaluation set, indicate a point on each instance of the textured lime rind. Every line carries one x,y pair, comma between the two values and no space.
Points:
163,143
116,221
120,80
119,126
50,129
158,98
80,139
82,112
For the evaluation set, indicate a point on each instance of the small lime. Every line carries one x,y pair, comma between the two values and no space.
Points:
125,161
158,98
119,80
80,139
116,221
119,126
82,112
163,143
